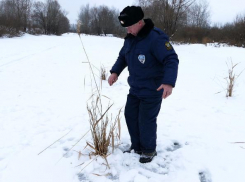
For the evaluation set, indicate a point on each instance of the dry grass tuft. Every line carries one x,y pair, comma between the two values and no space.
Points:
103,73
105,132
232,77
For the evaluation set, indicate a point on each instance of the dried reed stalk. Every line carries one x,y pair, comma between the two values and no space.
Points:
102,72
103,130
232,77
53,143
90,65
102,135
101,140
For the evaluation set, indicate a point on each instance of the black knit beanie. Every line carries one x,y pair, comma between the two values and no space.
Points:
130,15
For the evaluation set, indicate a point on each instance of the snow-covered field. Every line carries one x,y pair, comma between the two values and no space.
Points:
44,86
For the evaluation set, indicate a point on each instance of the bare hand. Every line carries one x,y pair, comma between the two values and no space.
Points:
167,90
112,79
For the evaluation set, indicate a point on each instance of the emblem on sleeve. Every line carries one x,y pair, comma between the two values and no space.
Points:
141,58
168,46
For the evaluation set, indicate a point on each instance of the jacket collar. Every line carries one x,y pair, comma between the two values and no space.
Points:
149,25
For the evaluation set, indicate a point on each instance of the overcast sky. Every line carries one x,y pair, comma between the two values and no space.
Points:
222,11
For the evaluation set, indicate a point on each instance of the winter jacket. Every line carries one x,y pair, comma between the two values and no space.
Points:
150,58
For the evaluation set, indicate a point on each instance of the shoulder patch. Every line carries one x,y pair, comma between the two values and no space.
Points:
168,46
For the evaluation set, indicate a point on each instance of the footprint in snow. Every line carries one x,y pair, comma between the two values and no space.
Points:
174,147
204,177
81,177
69,154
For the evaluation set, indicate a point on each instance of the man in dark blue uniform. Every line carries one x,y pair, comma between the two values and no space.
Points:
153,66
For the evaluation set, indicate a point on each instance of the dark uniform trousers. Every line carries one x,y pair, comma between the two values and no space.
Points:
141,118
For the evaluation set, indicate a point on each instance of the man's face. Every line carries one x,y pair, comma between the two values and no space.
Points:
134,29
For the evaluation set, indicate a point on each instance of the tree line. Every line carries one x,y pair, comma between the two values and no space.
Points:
185,21
17,16
100,20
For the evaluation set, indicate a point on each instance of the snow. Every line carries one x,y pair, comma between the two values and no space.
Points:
44,87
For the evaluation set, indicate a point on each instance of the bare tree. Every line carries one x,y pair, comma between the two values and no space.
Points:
106,20
50,18
230,33
85,18
95,23
20,11
24,13
239,30
15,16
24,16
7,18
168,15
53,16
199,14
39,17
100,20
2,20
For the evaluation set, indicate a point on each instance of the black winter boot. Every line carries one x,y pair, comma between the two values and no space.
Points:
147,157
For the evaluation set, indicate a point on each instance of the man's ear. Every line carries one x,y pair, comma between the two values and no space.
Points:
141,22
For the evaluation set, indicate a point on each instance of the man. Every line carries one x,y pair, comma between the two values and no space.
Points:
153,66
